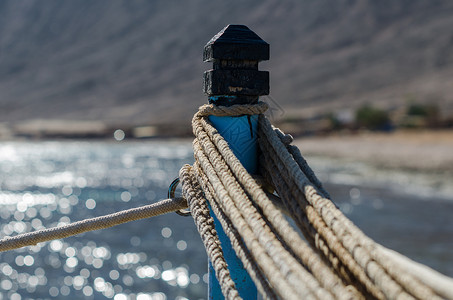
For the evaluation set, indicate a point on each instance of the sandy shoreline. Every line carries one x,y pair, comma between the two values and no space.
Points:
430,151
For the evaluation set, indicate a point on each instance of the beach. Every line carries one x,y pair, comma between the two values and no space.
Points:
427,151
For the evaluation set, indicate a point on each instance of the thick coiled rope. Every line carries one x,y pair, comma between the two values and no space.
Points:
289,278
339,261
205,225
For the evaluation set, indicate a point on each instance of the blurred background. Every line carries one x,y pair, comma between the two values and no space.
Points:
96,99
136,63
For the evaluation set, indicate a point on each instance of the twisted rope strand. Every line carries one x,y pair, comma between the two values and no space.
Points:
345,230
282,257
314,228
260,198
236,240
354,256
325,208
273,214
205,225
266,263
147,211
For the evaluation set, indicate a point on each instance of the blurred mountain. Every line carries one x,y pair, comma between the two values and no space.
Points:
140,62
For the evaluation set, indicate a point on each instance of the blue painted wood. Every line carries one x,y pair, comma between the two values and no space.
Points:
240,133
214,289
244,284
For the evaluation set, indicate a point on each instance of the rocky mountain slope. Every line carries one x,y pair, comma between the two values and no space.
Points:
140,62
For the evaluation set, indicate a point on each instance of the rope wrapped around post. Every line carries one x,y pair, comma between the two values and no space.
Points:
339,262
232,190
205,225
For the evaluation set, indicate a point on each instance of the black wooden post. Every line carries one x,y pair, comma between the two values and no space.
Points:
235,52
235,79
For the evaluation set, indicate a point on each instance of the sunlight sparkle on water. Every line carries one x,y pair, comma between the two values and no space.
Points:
178,276
72,262
29,260
114,274
119,135
90,203
126,196
56,245
70,252
53,184
87,291
166,232
181,245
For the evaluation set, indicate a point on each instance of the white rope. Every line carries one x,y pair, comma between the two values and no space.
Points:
133,214
273,246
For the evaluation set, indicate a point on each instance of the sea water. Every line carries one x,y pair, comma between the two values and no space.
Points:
47,184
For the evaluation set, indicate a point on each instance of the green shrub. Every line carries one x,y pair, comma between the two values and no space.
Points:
372,118
428,113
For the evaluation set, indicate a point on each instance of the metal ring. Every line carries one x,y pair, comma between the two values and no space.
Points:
171,194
